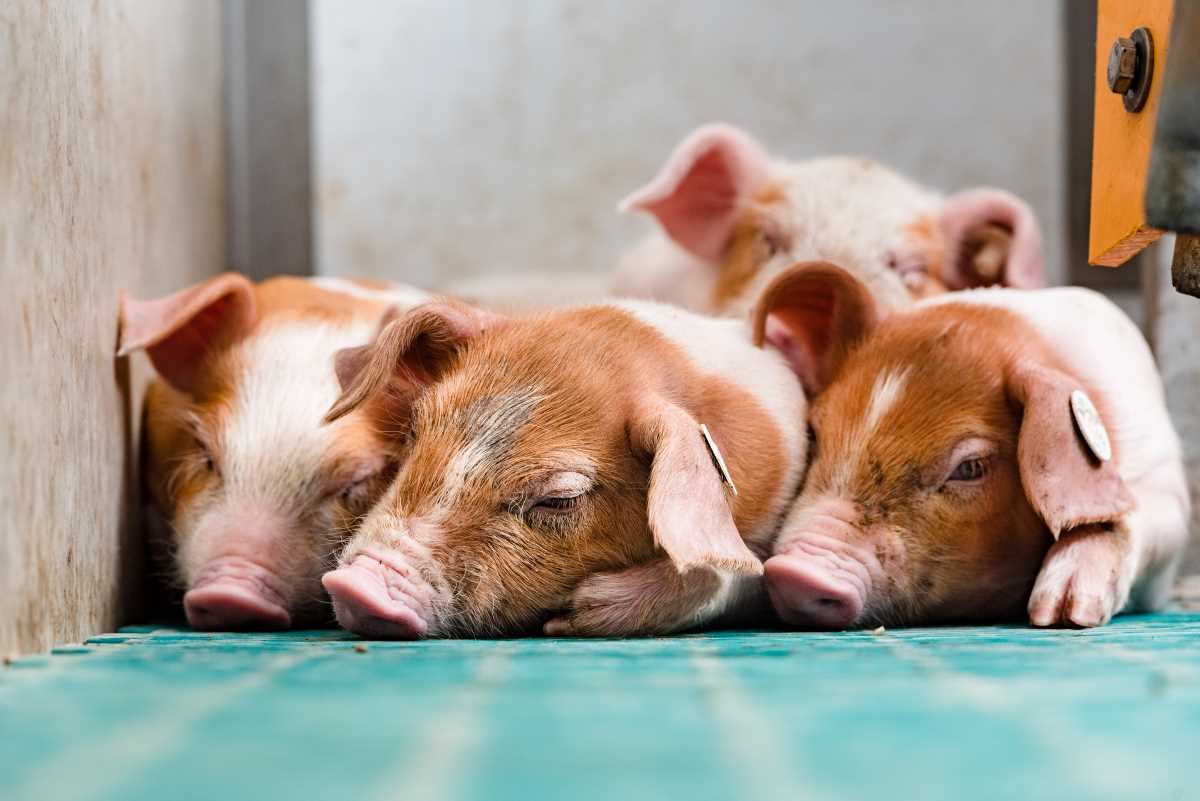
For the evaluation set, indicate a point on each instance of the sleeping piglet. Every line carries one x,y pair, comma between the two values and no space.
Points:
981,456
733,218
555,473
257,495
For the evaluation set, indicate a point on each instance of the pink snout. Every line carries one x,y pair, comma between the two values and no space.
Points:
234,593
806,592
374,599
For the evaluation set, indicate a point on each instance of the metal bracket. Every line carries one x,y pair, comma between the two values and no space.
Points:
1185,265
1173,182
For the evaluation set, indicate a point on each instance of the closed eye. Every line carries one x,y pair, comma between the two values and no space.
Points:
355,490
207,461
557,504
554,498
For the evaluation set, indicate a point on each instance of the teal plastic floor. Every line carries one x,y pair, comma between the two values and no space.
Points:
944,713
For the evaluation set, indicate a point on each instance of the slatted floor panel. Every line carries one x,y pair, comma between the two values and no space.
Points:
943,713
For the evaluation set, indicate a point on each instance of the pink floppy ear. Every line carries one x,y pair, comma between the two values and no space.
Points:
179,330
687,510
992,237
411,351
697,194
1064,482
814,313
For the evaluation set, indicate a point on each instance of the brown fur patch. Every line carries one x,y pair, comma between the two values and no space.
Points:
756,237
289,297
926,237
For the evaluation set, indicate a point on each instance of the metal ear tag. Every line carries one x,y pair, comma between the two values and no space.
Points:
1087,419
717,458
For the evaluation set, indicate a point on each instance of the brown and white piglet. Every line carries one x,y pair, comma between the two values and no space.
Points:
555,473
733,218
256,493
949,479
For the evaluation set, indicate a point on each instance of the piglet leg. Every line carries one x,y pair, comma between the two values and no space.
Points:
651,598
1085,578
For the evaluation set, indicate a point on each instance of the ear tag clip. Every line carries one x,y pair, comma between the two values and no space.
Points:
718,460
1088,421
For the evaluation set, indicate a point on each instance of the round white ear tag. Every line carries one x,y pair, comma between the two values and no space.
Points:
1087,419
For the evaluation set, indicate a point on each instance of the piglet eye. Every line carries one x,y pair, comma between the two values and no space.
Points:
557,504
969,470
354,489
206,458
773,241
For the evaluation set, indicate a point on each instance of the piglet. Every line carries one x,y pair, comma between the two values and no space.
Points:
732,218
256,493
555,473
983,455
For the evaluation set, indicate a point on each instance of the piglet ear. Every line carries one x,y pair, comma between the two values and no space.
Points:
697,194
687,509
814,313
348,363
411,351
992,237
179,330
1064,482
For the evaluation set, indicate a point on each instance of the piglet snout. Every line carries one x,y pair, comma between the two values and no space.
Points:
233,593
807,593
374,597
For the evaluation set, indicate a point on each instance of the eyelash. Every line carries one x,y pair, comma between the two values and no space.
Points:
558,504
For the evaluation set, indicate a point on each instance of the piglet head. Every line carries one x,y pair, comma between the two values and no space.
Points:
526,470
945,461
254,491
744,218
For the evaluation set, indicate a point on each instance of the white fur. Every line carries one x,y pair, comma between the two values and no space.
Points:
884,395
274,437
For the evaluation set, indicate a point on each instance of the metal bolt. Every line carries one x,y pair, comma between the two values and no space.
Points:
1122,65
1131,68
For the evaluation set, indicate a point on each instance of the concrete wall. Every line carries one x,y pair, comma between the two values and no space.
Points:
459,137
111,175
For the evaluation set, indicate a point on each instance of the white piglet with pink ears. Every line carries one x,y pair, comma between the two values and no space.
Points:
732,218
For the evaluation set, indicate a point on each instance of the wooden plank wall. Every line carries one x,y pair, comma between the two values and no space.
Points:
111,175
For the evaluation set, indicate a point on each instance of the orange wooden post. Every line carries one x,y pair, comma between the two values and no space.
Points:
1121,138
